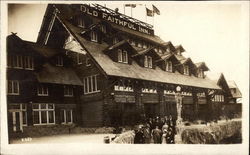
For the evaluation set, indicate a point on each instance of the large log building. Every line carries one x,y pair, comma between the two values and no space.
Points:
93,66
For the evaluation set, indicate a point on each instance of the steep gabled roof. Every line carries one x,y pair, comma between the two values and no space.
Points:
202,65
170,45
144,51
232,85
166,57
179,47
134,71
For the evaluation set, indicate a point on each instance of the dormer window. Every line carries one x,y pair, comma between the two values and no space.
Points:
80,22
139,44
186,69
169,66
148,61
200,73
122,56
103,29
115,40
145,45
132,42
93,36
59,61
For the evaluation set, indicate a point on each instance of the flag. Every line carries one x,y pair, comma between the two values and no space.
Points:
130,5
156,10
150,12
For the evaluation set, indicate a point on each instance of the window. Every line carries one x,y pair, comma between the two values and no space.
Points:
80,22
67,116
13,87
115,40
200,73
15,61
132,42
186,70
93,36
148,61
88,62
218,98
122,56
90,84
59,61
139,44
124,86
68,91
23,108
28,63
42,90
145,45
169,92
79,59
169,66
43,114
201,94
103,29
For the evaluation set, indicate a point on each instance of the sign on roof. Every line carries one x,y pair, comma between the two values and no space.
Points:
114,18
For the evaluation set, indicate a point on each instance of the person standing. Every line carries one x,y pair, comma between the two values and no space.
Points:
146,134
156,134
139,139
164,137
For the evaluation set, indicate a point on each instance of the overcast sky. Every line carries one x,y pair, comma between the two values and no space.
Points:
214,32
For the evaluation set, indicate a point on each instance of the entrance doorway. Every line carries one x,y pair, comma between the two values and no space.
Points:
150,110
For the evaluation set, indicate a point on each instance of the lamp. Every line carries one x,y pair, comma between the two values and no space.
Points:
178,88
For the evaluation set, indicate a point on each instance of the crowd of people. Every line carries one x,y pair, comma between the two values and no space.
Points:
156,130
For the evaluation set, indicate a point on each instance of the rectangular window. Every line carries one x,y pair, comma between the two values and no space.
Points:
149,90
13,87
200,73
80,22
68,91
67,116
79,59
169,66
28,63
93,36
103,28
43,114
115,40
88,61
9,60
59,61
42,90
122,56
17,61
186,70
148,62
90,84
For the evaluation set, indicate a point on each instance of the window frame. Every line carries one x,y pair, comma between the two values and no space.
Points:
13,87
169,66
30,64
88,84
47,110
65,116
148,61
68,91
44,90
59,61
93,36
122,56
186,70
200,73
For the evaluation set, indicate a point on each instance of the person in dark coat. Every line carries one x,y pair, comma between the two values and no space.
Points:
147,134
156,134
169,136
139,139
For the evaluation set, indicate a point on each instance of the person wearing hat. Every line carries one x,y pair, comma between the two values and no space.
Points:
146,134
139,139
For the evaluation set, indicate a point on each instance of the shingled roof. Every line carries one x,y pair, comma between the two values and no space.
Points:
58,75
237,93
133,71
